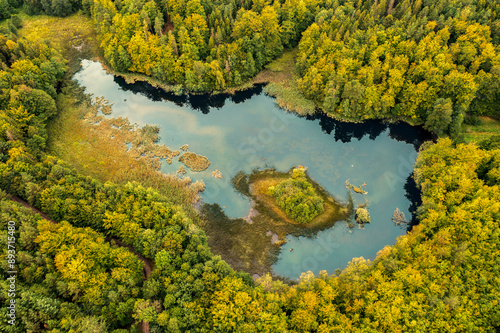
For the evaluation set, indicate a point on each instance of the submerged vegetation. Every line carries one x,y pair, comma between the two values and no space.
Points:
252,244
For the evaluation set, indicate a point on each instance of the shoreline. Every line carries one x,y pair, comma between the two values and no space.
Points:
275,82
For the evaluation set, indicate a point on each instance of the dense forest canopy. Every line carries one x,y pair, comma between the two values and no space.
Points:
429,62
426,61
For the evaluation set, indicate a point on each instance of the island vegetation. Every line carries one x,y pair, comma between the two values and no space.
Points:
291,198
362,215
297,197
428,62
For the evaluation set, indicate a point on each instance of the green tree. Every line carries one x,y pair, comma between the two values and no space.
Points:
439,117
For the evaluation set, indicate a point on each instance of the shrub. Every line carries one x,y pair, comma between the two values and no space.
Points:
297,197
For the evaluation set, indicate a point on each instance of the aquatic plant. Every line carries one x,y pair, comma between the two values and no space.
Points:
217,174
181,170
357,189
398,217
362,215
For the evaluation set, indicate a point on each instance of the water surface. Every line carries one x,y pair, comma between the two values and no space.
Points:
248,131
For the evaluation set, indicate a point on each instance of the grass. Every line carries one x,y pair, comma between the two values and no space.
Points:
483,130
92,150
102,152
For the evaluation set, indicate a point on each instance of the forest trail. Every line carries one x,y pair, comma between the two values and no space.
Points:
148,263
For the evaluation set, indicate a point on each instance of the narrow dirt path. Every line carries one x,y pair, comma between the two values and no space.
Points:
148,263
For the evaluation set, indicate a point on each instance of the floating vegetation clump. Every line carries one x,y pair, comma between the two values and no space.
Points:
217,174
182,170
194,161
103,105
357,189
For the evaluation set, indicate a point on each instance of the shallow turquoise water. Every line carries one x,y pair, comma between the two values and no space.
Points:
256,134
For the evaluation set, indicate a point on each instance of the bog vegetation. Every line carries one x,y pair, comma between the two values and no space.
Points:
428,62
425,62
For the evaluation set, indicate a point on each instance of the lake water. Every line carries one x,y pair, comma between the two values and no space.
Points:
248,131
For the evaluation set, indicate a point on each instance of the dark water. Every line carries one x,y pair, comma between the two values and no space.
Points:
248,131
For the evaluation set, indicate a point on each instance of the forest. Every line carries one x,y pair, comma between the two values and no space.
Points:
425,62
82,268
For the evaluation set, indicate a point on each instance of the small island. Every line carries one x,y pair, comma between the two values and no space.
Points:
291,198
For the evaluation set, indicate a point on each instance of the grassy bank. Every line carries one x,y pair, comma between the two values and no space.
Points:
281,77
73,36
101,151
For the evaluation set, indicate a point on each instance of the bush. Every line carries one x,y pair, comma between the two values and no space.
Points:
297,198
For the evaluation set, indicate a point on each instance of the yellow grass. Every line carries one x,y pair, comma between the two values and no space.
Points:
101,151
281,76
194,161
